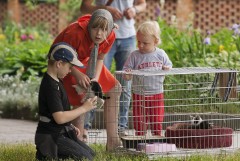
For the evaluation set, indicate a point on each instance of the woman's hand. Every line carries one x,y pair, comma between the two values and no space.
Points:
83,80
94,80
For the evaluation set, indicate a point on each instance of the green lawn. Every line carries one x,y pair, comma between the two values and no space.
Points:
26,152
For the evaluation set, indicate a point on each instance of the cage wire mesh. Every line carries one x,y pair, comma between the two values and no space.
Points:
211,93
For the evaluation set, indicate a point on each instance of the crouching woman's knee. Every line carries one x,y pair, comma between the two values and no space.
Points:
116,90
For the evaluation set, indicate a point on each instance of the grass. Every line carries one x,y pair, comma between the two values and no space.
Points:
26,152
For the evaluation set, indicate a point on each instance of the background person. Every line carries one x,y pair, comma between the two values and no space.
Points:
123,12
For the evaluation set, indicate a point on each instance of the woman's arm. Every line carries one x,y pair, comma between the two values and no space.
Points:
99,66
82,79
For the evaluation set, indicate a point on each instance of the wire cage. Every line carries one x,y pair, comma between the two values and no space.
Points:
211,93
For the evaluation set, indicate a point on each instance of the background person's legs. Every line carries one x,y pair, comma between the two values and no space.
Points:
124,105
89,116
124,48
109,57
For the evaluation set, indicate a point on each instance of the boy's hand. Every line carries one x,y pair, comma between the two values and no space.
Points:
90,103
76,130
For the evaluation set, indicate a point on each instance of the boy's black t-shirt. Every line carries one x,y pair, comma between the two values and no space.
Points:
52,98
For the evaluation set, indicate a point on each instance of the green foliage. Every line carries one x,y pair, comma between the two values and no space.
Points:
32,4
187,49
25,49
72,8
18,98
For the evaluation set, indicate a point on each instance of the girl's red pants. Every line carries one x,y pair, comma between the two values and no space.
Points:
148,110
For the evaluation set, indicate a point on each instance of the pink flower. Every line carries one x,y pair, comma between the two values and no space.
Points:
24,37
31,37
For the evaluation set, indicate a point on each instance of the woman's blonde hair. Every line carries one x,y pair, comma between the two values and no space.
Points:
150,28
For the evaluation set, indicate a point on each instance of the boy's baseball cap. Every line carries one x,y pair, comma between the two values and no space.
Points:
65,52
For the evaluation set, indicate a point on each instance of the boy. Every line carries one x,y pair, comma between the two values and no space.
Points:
56,137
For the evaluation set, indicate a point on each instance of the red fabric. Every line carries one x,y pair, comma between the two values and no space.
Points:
217,137
148,110
77,35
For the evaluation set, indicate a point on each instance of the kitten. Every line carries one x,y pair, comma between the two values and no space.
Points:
93,90
196,123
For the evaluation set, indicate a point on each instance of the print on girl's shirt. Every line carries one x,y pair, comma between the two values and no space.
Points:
150,64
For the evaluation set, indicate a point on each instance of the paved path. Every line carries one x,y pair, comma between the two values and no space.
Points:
14,131
17,131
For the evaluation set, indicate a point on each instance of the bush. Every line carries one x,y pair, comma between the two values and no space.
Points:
18,98
189,48
25,49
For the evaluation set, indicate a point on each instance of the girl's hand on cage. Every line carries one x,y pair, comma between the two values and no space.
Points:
128,74
166,67
128,70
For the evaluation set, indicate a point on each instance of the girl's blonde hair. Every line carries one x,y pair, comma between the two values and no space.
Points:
100,22
103,19
150,28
